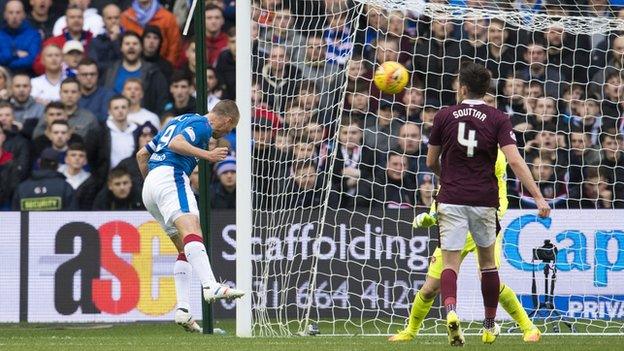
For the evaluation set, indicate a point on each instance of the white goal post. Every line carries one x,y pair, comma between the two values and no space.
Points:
331,172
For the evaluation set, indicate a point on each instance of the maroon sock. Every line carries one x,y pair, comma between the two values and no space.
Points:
192,237
182,257
448,289
490,287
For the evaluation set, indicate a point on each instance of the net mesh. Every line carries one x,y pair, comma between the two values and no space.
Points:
339,167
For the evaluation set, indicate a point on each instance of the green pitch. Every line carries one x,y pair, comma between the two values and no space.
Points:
167,336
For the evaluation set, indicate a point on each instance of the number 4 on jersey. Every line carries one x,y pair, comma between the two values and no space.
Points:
471,142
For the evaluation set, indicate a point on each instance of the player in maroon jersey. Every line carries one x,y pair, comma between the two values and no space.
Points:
467,136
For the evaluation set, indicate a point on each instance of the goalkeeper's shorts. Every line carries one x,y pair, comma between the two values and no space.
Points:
436,265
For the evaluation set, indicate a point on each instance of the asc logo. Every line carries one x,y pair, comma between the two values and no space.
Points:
129,283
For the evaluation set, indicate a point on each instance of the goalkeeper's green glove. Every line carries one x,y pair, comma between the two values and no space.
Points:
425,220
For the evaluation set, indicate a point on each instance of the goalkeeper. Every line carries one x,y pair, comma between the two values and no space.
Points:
426,295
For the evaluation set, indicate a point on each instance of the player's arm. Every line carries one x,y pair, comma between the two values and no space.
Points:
181,146
521,170
435,144
142,157
500,169
433,158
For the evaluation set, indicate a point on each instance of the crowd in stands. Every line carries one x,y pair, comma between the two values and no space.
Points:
562,89
84,84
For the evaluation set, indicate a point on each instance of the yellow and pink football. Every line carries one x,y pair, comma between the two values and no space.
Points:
391,77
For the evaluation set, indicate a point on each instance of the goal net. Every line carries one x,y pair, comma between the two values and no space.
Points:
339,173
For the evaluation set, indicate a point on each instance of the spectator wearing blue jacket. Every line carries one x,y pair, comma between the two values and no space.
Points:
20,42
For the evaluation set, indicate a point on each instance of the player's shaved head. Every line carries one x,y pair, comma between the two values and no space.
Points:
476,78
223,118
227,108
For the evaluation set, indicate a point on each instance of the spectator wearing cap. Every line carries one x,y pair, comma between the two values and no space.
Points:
46,189
26,110
74,165
73,31
151,12
73,52
41,18
133,91
181,88
94,97
152,41
92,20
106,47
20,42
9,173
14,142
119,194
229,12
132,65
142,135
223,194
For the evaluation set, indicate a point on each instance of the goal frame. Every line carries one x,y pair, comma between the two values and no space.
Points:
244,212
244,219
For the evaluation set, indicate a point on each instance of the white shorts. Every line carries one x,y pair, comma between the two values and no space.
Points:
167,195
455,221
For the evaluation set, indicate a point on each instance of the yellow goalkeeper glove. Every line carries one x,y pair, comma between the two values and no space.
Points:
426,220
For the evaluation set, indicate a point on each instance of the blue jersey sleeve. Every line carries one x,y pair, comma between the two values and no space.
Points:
197,133
152,146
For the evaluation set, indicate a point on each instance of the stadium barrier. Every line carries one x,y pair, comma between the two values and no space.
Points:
116,266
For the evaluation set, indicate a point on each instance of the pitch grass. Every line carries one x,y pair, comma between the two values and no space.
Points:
167,336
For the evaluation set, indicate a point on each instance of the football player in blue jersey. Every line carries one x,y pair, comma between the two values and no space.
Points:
166,163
